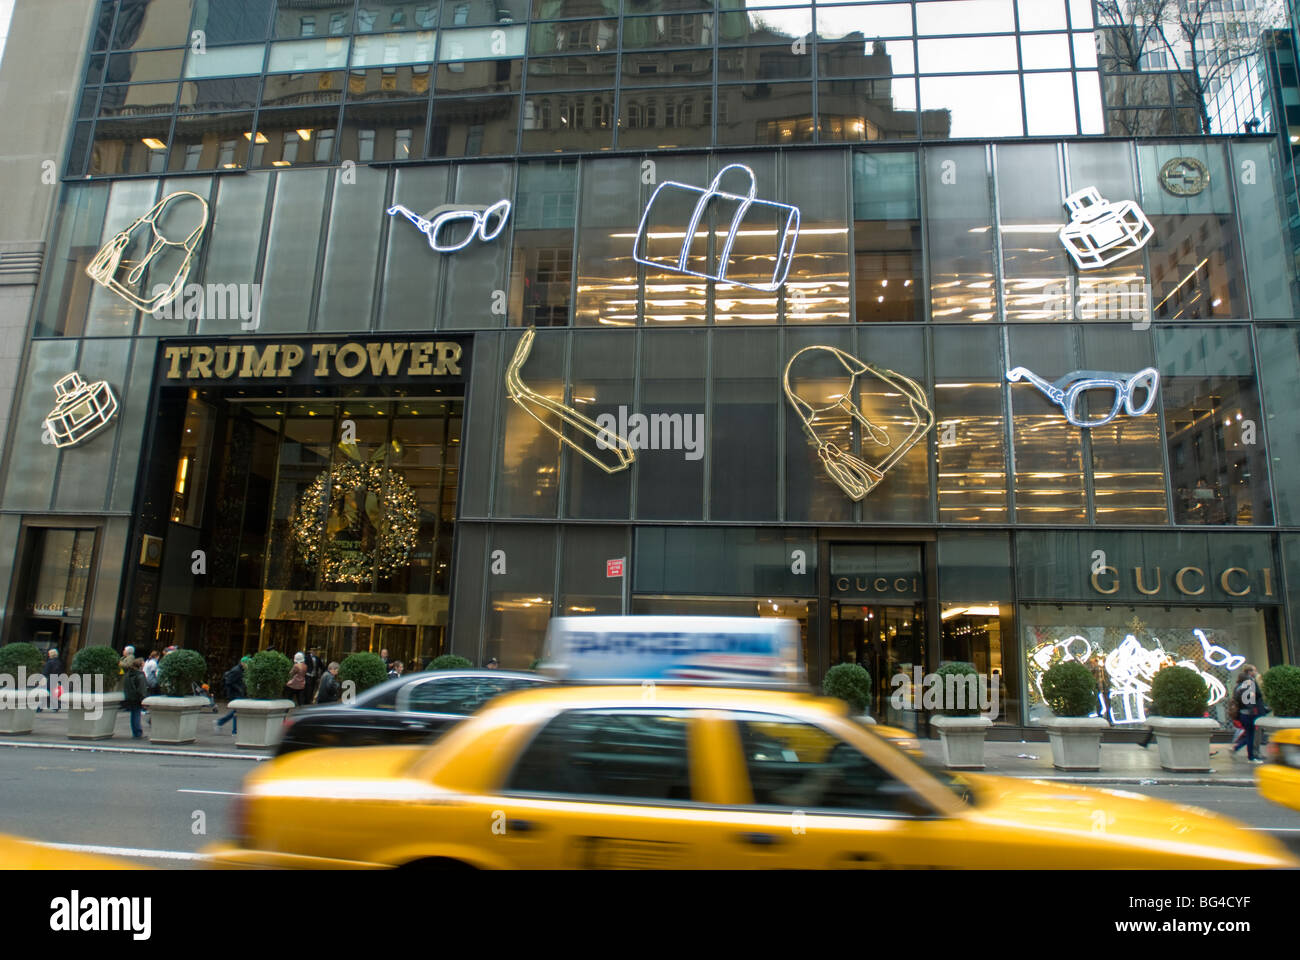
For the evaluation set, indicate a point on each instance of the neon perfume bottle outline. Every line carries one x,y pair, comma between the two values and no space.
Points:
83,409
1102,231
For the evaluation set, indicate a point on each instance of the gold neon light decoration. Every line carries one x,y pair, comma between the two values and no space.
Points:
607,450
136,250
859,476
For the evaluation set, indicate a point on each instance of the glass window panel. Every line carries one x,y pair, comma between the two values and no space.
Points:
1045,52
292,245
975,106
1081,14
317,19
668,30
670,296
755,26
86,105
356,220
585,590
878,58
137,99
762,113
298,56
568,121
481,76
136,399
412,272
234,21
1209,392
567,73
610,214
130,146
474,127
743,427
763,63
483,43
541,275
819,379
551,9
644,68
672,382
668,117
940,17
304,89
109,314
180,219
95,70
882,108
480,267
78,148
388,83
143,67
887,238
74,241
391,49
1279,377
876,20
295,137
577,36
224,61
959,217
234,237
1128,474
1041,14
969,426
47,361
1085,50
103,26
83,480
817,286
753,254
1091,117
601,373
1035,265
529,457
210,142
465,13
223,94
967,55
904,494
381,132
1048,449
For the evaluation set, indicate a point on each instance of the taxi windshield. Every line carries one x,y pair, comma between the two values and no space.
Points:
953,781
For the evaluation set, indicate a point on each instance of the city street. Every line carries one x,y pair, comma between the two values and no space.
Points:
146,808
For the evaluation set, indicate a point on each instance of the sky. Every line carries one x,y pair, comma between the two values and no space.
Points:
6,12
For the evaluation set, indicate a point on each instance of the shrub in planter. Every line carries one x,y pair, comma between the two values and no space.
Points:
100,662
15,655
448,661
180,670
960,670
1179,692
1281,690
1070,689
364,670
850,683
19,711
266,675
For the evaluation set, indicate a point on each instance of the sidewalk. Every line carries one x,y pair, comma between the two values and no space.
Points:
51,731
1121,763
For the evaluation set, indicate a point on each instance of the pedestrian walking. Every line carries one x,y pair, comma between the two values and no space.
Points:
1250,707
128,658
151,671
51,670
330,689
297,679
315,667
396,672
236,689
383,655
134,690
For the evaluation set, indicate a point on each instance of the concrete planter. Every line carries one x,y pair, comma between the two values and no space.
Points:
259,721
1271,725
1184,742
963,741
1076,741
16,717
174,719
92,716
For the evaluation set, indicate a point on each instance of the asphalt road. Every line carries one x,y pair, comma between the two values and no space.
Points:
161,810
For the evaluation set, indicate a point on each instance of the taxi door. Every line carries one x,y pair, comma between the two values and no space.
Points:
605,789
799,797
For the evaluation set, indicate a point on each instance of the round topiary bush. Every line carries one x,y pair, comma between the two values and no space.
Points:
179,671
449,661
100,662
266,674
1179,692
1070,689
851,683
970,694
364,670
1281,690
15,655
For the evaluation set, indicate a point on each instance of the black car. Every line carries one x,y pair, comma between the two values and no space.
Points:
411,709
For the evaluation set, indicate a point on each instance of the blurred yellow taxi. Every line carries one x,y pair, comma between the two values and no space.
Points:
1279,778
679,777
18,854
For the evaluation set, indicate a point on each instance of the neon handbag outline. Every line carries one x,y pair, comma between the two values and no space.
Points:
1102,231
787,231
104,268
852,474
81,411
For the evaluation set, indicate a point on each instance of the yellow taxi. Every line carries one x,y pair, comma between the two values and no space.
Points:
695,777
19,854
1279,778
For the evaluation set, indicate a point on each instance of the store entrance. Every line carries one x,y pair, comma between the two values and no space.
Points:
885,639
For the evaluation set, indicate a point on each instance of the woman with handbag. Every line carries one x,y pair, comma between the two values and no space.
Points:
297,679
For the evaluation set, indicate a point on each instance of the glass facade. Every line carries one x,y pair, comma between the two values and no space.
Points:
843,448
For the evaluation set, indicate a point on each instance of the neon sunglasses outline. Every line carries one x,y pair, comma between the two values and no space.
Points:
1065,392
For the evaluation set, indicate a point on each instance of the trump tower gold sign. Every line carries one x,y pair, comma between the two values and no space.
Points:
314,361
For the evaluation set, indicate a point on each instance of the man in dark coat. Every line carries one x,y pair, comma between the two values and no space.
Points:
134,689
51,671
330,688
236,689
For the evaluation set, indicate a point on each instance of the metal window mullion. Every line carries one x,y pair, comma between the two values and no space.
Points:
1008,427
318,280
707,497
379,287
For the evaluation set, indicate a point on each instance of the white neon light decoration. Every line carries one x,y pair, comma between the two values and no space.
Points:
1102,231
786,218
114,257
82,410
1069,390
485,227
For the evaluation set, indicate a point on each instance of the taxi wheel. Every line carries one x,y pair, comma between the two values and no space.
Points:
437,863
